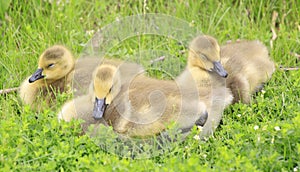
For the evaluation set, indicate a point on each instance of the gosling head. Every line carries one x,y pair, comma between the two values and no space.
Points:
54,63
205,53
106,85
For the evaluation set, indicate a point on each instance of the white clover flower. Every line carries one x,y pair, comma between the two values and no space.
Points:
277,128
90,32
262,93
239,115
295,168
196,137
256,127
192,23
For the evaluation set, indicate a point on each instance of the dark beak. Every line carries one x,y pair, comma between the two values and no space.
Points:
36,76
99,108
220,70
202,119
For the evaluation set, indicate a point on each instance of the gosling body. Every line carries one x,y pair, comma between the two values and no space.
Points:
82,107
143,106
249,67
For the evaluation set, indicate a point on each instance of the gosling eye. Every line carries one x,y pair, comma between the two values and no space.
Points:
51,65
203,56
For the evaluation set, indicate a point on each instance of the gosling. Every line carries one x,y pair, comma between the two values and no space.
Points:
52,76
204,68
57,73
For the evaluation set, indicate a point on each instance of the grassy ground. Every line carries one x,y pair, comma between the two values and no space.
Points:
262,136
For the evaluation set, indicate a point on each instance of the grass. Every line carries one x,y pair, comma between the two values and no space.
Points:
262,136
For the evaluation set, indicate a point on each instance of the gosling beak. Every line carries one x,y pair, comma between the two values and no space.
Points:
202,119
220,70
99,108
36,76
